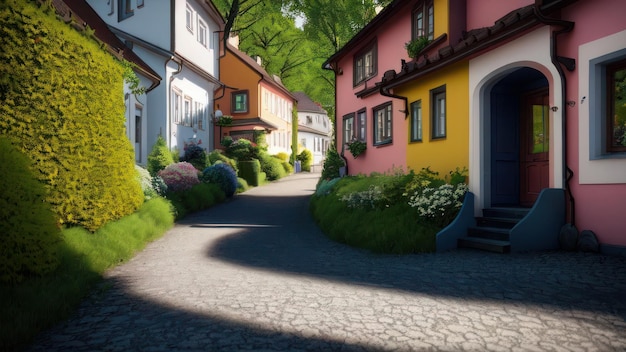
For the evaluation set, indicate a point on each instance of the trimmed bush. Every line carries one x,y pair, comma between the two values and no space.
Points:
196,156
218,156
179,176
305,158
159,157
198,197
242,150
28,227
282,156
222,175
250,171
50,76
287,167
272,167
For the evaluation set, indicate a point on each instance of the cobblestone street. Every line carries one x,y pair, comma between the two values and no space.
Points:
255,273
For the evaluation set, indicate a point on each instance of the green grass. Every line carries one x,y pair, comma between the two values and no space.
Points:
392,228
39,302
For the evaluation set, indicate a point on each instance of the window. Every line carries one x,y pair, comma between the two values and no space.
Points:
348,128
424,20
199,117
202,37
382,124
365,65
616,107
361,123
438,112
189,18
177,102
139,3
309,120
187,116
416,121
239,101
125,9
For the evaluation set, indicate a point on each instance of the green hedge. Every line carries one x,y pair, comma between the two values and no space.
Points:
28,230
62,103
250,170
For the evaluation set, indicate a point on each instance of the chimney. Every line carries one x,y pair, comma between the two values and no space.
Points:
233,39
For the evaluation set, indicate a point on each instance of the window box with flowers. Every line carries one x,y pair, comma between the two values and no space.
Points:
225,121
356,147
415,46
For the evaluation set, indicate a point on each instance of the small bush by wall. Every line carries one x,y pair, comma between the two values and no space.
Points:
196,156
160,156
305,157
218,156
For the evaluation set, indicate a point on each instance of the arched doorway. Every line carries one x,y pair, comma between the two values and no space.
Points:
519,137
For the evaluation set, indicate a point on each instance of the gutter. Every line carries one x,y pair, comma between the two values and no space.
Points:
570,64
385,92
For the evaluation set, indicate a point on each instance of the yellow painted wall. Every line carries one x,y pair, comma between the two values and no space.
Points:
441,155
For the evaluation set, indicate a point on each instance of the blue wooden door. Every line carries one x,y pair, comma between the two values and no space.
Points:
505,155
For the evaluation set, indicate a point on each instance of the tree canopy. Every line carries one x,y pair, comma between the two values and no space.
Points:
267,28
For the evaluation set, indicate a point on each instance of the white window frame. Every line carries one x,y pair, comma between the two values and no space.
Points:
189,14
202,32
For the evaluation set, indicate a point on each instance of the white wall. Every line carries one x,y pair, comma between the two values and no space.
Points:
150,22
187,43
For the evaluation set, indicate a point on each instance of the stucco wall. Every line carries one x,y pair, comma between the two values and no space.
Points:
446,154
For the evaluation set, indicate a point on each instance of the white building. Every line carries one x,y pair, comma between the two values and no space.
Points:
314,128
179,39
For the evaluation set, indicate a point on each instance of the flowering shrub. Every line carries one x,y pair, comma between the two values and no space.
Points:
372,198
159,185
435,199
196,156
146,182
222,175
179,176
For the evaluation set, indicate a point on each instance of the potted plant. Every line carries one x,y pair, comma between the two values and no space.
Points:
416,45
356,147
225,120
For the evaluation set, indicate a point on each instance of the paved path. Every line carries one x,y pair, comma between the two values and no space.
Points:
256,274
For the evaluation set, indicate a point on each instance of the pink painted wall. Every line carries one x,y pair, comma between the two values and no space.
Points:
483,13
602,207
390,40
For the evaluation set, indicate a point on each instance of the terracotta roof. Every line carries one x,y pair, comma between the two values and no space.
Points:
82,16
259,69
513,24
306,104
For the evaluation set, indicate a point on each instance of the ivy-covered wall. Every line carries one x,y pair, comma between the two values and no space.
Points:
62,103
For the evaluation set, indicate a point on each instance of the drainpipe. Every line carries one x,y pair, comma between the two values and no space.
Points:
342,154
569,63
168,97
386,93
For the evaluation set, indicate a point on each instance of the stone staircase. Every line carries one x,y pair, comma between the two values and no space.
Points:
492,231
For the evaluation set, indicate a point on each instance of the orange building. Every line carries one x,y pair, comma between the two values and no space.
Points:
255,100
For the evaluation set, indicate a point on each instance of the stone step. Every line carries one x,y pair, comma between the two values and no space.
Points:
485,244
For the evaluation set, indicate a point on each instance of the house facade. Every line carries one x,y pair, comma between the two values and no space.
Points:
362,113
314,128
184,50
544,116
256,101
